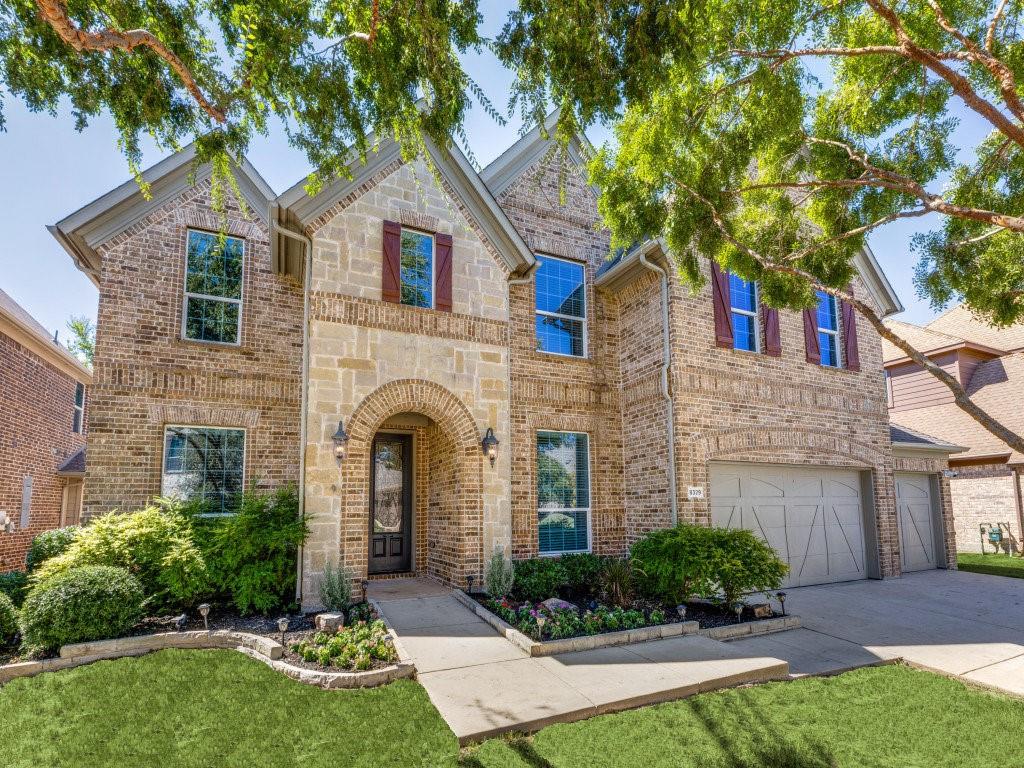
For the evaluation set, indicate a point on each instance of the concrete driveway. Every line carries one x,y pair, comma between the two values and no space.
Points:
964,624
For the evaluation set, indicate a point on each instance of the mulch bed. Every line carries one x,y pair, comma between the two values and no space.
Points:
707,614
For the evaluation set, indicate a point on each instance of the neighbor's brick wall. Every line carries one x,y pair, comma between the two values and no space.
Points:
985,494
36,412
146,376
552,392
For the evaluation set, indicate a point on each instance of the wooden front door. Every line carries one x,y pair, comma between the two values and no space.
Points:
391,504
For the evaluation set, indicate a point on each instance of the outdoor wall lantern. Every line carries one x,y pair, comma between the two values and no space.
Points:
340,439
490,445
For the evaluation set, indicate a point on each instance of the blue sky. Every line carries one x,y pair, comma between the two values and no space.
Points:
50,170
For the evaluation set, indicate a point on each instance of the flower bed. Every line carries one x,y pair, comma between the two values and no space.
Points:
360,647
545,622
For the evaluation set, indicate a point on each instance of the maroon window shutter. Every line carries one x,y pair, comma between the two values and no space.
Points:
723,308
443,272
772,336
391,287
851,355
811,340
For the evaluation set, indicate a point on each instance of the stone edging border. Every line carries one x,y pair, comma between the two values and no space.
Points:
752,628
570,644
255,646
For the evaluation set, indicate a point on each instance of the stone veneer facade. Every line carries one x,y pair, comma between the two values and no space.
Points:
445,377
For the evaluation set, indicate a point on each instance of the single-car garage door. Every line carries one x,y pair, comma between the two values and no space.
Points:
916,519
812,516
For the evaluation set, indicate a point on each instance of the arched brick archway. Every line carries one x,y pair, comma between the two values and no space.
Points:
449,521
798,443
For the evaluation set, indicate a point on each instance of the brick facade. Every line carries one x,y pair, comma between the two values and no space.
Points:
148,377
445,377
36,437
987,494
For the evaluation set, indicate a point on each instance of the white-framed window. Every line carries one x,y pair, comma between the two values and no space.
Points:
78,418
206,463
561,308
417,268
563,492
746,325
212,305
828,330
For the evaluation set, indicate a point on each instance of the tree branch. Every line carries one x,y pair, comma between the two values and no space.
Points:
960,396
55,13
990,35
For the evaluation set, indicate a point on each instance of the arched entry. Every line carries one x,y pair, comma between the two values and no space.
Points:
411,484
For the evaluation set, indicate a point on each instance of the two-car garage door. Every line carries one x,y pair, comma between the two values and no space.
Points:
813,516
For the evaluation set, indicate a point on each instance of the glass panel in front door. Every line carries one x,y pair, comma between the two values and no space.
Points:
391,505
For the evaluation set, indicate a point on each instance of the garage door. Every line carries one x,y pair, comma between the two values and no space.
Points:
812,516
916,519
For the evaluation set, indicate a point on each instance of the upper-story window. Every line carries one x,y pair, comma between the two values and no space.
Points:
206,463
213,288
561,307
828,330
417,268
746,330
78,419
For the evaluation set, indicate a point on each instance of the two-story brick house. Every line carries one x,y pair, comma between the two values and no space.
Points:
43,420
987,491
464,369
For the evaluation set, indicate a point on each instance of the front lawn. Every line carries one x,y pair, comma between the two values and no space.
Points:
879,716
994,565
218,708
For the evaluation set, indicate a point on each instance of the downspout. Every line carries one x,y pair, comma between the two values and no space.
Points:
665,366
1020,510
307,269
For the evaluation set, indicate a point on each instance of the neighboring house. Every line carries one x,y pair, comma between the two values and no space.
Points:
989,363
449,310
43,414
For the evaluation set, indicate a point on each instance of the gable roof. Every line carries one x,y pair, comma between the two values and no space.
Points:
510,164
959,321
17,323
296,209
997,386
84,230
921,338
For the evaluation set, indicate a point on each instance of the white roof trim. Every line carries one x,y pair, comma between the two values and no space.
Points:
17,323
877,283
510,164
297,208
109,215
912,448
629,267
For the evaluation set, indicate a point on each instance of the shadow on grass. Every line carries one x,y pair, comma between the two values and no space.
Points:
521,746
747,738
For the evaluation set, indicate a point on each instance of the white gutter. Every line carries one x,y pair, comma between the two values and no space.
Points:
666,364
527,275
276,228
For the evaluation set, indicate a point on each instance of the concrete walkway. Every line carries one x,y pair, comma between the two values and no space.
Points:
483,685
964,624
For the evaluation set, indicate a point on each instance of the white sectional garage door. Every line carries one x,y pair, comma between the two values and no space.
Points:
917,532
812,516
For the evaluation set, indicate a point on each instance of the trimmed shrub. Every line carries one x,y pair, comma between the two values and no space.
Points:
583,571
745,564
676,564
155,545
500,575
8,621
91,602
538,578
335,589
252,555
14,585
49,544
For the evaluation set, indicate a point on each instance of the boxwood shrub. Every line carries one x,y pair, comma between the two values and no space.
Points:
8,621
538,579
154,544
14,584
49,544
91,602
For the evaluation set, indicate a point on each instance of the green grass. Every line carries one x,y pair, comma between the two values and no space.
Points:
994,565
219,708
